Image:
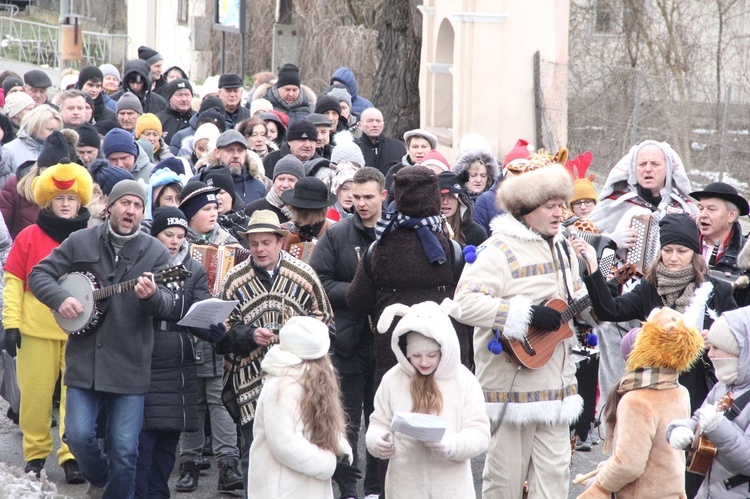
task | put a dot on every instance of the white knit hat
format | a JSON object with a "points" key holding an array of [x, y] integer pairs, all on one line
{"points": [[17, 102], [207, 131], [263, 105], [305, 337], [346, 149], [419, 343], [721, 337]]}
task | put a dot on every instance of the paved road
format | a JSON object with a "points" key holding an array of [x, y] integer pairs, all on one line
{"points": [[10, 453], [20, 68]]}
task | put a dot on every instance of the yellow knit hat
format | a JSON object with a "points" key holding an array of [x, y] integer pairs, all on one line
{"points": [[147, 121], [583, 188], [63, 178]]}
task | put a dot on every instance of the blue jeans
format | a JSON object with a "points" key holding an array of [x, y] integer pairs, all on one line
{"points": [[116, 471]]}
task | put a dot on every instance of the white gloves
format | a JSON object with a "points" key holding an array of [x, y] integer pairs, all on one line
{"points": [[444, 449], [623, 237], [708, 418], [681, 437], [384, 446]]}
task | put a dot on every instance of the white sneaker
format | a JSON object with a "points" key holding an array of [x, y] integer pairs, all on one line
{"points": [[372, 496]]}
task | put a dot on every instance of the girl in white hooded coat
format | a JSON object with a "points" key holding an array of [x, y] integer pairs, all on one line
{"points": [[429, 378]]}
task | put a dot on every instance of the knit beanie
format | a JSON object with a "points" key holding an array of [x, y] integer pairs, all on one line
{"points": [[55, 148], [175, 85], [342, 95], [147, 121], [88, 136], [301, 129], [260, 105], [110, 70], [119, 140], [288, 75], [211, 103], [195, 195], [167, 216], [721, 337], [434, 158], [172, 163], [419, 343], [63, 178], [344, 173], [628, 342], [17, 102], [87, 73], [107, 176], [215, 117], [289, 165], [219, 177], [69, 81], [129, 100], [327, 103], [346, 149], [149, 55], [305, 337], [679, 228], [583, 188], [417, 192], [207, 131], [127, 188], [10, 83]]}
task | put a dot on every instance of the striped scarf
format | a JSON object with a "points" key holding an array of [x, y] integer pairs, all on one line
{"points": [[425, 228]]}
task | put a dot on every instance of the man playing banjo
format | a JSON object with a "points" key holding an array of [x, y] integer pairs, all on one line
{"points": [[110, 368]]}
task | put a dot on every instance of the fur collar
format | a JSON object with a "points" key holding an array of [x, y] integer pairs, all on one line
{"points": [[698, 306], [507, 225]]}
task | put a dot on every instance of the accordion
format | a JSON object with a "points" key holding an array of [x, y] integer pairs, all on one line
{"points": [[217, 261], [645, 250]]}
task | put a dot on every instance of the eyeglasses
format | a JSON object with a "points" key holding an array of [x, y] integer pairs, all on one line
{"points": [[583, 202]]}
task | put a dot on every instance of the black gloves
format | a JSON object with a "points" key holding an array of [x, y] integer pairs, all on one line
{"points": [[545, 317], [216, 332], [346, 473], [12, 341]]}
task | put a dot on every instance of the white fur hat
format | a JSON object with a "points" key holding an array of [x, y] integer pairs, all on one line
{"points": [[522, 194], [305, 337]]}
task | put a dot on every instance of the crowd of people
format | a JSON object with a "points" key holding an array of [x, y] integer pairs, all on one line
{"points": [[373, 277]]}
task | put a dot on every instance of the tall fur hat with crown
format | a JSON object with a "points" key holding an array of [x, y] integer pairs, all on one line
{"points": [[543, 178]]}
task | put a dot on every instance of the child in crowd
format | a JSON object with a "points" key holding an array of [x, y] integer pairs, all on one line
{"points": [[640, 407], [299, 435], [428, 379], [727, 430]]}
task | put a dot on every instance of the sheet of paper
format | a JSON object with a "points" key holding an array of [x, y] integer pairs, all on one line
{"points": [[211, 311], [424, 427]]}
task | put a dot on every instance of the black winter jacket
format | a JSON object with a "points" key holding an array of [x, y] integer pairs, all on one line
{"points": [[335, 259], [172, 122], [382, 155]]}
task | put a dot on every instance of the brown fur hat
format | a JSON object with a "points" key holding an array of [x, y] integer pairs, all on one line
{"points": [[417, 192], [522, 194], [665, 343]]}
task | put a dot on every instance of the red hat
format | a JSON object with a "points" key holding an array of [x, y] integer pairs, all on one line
{"points": [[2, 98], [434, 158], [519, 151], [282, 116]]}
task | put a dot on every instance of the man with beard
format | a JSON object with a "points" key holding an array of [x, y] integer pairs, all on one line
{"points": [[245, 166], [110, 368]]}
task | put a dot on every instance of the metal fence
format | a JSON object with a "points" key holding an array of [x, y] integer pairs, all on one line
{"points": [[38, 43], [608, 110]]}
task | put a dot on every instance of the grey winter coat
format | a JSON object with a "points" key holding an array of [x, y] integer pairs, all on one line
{"points": [[117, 358], [732, 438]]}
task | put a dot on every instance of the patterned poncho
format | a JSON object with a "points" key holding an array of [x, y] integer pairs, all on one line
{"points": [[295, 290]]}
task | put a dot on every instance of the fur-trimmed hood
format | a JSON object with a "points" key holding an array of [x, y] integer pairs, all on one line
{"points": [[522, 194], [739, 323], [468, 157], [261, 90], [431, 320], [253, 163]]}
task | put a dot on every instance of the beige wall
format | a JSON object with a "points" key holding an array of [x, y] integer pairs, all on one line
{"points": [[477, 72], [175, 41]]}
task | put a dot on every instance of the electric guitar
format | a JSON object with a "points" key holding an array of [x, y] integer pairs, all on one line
{"points": [[538, 345]]}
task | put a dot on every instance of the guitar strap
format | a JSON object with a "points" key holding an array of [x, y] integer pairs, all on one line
{"points": [[562, 268]]}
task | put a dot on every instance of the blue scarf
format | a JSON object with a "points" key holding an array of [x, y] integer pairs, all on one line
{"points": [[425, 228]]}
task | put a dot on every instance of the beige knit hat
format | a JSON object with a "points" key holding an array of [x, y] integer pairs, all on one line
{"points": [[721, 337], [419, 343]]}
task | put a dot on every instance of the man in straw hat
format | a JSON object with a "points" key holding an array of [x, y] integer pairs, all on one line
{"points": [[524, 263], [112, 367], [271, 287]]}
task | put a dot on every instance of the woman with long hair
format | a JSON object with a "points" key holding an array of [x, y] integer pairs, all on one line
{"points": [[677, 279], [31, 332], [35, 127], [456, 210], [428, 379], [300, 431]]}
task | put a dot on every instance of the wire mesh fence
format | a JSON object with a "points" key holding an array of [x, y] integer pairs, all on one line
{"points": [[611, 108]]}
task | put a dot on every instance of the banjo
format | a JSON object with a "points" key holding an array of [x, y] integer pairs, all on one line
{"points": [[84, 287]]}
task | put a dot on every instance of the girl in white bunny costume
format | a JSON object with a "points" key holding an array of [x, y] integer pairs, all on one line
{"points": [[424, 338]]}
